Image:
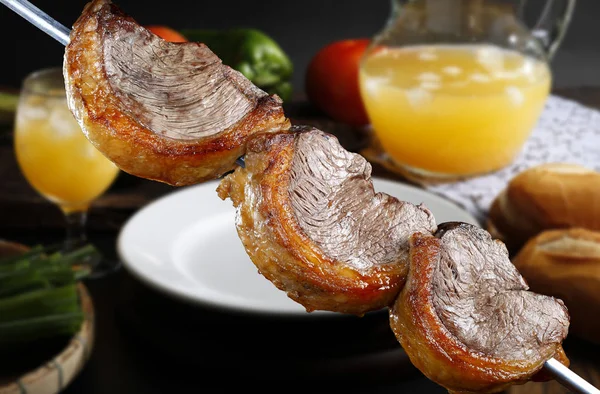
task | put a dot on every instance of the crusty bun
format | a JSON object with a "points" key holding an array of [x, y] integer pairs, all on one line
{"points": [[566, 264], [548, 196]]}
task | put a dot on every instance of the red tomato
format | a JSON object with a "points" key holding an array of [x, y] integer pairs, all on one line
{"points": [[332, 81], [166, 33]]}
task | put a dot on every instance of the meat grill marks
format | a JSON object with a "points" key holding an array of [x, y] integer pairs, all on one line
{"points": [[170, 112], [311, 222], [465, 317]]}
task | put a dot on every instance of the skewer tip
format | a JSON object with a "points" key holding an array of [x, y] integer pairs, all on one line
{"points": [[568, 378]]}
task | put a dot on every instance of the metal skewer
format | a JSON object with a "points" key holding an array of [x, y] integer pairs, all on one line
{"points": [[39, 19], [568, 378], [60, 33]]}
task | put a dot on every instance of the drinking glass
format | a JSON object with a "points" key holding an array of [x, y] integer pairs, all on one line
{"points": [[453, 88], [57, 159]]}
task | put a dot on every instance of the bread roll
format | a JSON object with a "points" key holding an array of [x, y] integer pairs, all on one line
{"points": [[566, 264], [548, 196]]}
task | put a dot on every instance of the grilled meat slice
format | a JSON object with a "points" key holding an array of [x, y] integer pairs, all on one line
{"points": [[311, 222], [170, 112], [465, 317]]}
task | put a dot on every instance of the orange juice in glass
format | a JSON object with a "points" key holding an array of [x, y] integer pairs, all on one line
{"points": [[55, 156], [455, 109]]}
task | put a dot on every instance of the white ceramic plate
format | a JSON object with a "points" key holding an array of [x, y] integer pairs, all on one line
{"points": [[186, 245]]}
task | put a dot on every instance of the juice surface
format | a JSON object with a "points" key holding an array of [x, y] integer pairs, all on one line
{"points": [[56, 157], [453, 109]]}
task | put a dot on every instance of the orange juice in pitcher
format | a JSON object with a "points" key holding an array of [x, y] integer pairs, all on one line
{"points": [[453, 109], [453, 88]]}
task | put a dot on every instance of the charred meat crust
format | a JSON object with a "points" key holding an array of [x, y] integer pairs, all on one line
{"points": [[447, 226], [111, 118], [436, 347], [282, 248]]}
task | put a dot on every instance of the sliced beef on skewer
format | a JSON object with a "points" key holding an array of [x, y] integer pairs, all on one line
{"points": [[311, 222], [465, 317], [170, 112]]}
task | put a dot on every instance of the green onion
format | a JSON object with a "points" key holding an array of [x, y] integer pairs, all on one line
{"points": [[38, 294], [39, 303], [29, 330]]}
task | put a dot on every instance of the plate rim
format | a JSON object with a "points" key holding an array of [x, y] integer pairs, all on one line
{"points": [[244, 310]]}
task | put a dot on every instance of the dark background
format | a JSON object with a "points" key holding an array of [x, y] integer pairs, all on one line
{"points": [[301, 28]]}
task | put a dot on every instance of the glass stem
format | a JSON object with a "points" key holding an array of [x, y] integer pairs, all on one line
{"points": [[76, 229]]}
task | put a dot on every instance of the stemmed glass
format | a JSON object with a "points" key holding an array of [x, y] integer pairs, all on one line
{"points": [[57, 159]]}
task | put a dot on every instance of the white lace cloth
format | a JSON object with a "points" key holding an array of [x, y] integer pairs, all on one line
{"points": [[566, 132]]}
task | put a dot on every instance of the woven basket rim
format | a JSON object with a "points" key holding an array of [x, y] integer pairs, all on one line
{"points": [[78, 350]]}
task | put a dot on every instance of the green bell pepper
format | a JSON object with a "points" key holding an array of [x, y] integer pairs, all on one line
{"points": [[251, 52]]}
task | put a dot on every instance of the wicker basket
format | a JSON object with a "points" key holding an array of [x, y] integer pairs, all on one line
{"points": [[55, 374]]}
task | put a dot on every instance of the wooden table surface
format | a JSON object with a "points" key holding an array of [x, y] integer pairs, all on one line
{"points": [[149, 343]]}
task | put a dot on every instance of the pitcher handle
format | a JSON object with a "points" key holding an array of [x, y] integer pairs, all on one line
{"points": [[547, 29]]}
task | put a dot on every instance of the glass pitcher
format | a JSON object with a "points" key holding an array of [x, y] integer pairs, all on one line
{"points": [[453, 88]]}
